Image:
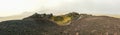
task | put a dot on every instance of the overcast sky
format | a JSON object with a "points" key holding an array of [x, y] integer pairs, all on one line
{"points": [[13, 7]]}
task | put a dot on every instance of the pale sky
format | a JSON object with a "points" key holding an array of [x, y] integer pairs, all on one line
{"points": [[14, 7]]}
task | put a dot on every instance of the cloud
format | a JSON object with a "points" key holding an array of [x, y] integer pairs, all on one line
{"points": [[82, 6], [89, 6]]}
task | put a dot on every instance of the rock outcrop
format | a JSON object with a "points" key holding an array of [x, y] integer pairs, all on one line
{"points": [[81, 24]]}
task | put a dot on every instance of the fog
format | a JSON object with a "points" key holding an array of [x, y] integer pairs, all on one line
{"points": [[102, 7]]}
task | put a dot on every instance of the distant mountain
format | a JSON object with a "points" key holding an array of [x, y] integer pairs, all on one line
{"points": [[16, 17], [48, 24]]}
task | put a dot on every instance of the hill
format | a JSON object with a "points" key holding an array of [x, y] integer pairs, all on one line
{"points": [[48, 24]]}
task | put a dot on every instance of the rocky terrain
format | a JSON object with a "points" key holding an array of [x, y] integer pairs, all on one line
{"points": [[48, 24]]}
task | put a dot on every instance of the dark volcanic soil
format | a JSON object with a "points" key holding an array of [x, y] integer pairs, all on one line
{"points": [[94, 25]]}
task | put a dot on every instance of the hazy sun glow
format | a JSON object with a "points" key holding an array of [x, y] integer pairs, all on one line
{"points": [[12, 7], [52, 3], [55, 3]]}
